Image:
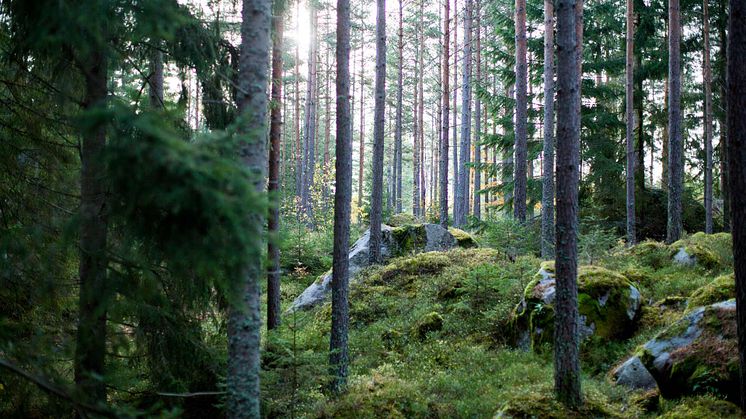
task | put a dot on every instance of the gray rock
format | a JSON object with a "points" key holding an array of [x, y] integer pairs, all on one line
{"points": [[633, 374], [437, 238], [683, 258]]}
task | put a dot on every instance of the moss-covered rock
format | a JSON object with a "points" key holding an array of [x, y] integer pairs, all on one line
{"points": [[721, 289], [400, 219], [608, 303], [712, 251], [463, 239], [697, 354], [650, 253], [542, 404], [703, 407]]}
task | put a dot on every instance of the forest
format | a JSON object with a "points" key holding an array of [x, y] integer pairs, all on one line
{"points": [[373, 209]]}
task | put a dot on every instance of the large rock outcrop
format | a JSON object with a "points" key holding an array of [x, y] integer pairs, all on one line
{"points": [[608, 303], [711, 251], [396, 241], [698, 354]]}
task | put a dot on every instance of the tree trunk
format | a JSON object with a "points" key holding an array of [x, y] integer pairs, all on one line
{"points": [[338, 353], [707, 81], [629, 90], [398, 128], [155, 78], [639, 96], [737, 153], [421, 111], [455, 113], [273, 185], [566, 340], [521, 152], [415, 140], [478, 120], [309, 155], [90, 349], [724, 160], [296, 120], [664, 148], [376, 199], [361, 153], [462, 194], [444, 119], [244, 321], [547, 190], [676, 159]]}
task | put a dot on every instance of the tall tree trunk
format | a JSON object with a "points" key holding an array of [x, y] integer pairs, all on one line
{"points": [[415, 140], [155, 78], [676, 158], [736, 79], [639, 96], [444, 118], [547, 190], [421, 110], [361, 153], [327, 125], [566, 340], [664, 148], [94, 294], [507, 163], [455, 113], [273, 185], [376, 199], [629, 90], [338, 352], [398, 128], [296, 119], [462, 194], [724, 158], [478, 121], [707, 81], [309, 155], [521, 151], [244, 321]]}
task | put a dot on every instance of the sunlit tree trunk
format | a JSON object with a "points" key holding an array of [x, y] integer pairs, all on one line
{"points": [[477, 204], [361, 152], [398, 128], [244, 320], [155, 78], [462, 194]]}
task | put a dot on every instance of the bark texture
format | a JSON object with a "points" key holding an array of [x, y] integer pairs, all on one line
{"points": [[477, 198], [376, 200], [737, 152], [462, 193], [521, 108], [675, 152], [707, 81], [566, 340], [398, 127], [273, 185], [547, 190], [630, 112], [90, 348], [444, 118], [244, 321], [338, 352]]}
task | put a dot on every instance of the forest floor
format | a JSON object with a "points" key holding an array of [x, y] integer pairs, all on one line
{"points": [[434, 335]]}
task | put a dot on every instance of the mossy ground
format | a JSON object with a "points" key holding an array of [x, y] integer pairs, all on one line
{"points": [[461, 363]]}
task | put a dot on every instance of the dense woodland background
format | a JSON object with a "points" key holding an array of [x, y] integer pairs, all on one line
{"points": [[159, 159]]}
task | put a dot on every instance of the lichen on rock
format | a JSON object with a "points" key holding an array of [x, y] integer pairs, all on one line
{"points": [[608, 304]]}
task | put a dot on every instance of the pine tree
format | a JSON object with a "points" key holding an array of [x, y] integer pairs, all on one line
{"points": [[338, 353], [629, 89], [566, 340], [521, 145], [462, 194], [547, 196], [675, 156], [376, 200], [244, 322], [398, 127], [445, 114], [707, 81]]}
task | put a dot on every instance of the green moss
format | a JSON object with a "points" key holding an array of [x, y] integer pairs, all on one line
{"points": [[431, 322], [463, 239], [701, 407], [400, 219], [408, 238], [712, 251], [541, 403], [651, 253], [721, 289]]}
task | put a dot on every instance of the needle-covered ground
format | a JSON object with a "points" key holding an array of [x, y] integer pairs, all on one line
{"points": [[436, 335]]}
